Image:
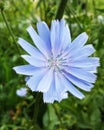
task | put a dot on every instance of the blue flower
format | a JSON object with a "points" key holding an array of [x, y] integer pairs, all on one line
{"points": [[22, 92], [57, 66]]}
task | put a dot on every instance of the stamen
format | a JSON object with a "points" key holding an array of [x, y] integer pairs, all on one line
{"points": [[57, 63]]}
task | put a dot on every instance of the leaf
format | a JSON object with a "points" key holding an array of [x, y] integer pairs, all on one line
{"points": [[50, 119]]}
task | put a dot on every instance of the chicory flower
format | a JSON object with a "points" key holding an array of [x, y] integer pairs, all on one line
{"points": [[58, 65]]}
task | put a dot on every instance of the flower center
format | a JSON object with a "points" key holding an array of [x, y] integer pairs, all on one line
{"points": [[57, 63], [54, 63]]}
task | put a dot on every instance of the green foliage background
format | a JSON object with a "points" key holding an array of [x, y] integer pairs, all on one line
{"points": [[71, 114]]}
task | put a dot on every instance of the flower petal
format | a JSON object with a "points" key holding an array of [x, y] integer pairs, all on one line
{"points": [[65, 36], [52, 94], [46, 81], [78, 82], [85, 62], [71, 88], [58, 84], [49, 96], [81, 74], [25, 69], [83, 52], [75, 45], [60, 36], [30, 49], [78, 42], [44, 33], [54, 35], [35, 62], [33, 81], [41, 45], [64, 95], [91, 69]]}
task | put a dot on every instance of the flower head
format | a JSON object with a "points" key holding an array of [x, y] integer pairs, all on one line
{"points": [[21, 92], [57, 65]]}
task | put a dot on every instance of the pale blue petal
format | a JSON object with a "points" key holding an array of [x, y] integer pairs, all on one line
{"points": [[54, 35], [64, 95], [58, 84], [75, 46], [84, 62], [34, 61], [30, 49], [91, 69], [27, 78], [59, 90], [44, 33], [49, 96], [33, 81], [25, 69], [60, 36], [71, 88], [83, 52], [78, 42], [46, 81], [65, 36], [78, 82], [41, 45], [81, 74], [53, 95]]}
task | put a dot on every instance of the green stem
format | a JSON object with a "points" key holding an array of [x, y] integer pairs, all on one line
{"points": [[94, 8], [57, 114], [9, 28], [36, 107], [61, 9]]}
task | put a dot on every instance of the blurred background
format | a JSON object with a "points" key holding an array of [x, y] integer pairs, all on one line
{"points": [[16, 113]]}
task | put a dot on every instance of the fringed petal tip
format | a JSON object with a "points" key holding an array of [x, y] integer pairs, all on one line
{"points": [[14, 68], [29, 28]]}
